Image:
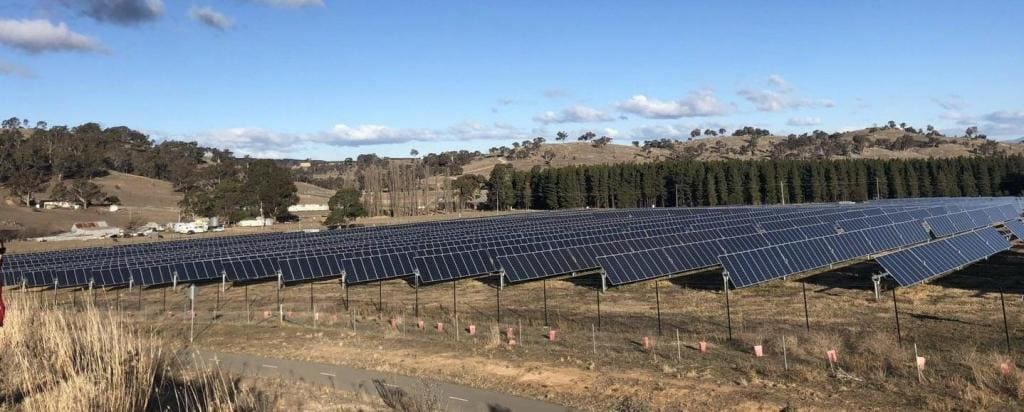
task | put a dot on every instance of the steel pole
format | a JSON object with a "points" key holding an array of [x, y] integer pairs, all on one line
{"points": [[1006, 324], [807, 316], [896, 310], [657, 298], [546, 303]]}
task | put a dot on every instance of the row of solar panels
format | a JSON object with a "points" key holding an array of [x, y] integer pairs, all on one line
{"points": [[179, 250], [180, 257], [368, 268], [162, 264], [920, 263], [199, 248]]}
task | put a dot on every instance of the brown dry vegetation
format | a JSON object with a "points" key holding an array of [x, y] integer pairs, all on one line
{"points": [[79, 358], [955, 323]]}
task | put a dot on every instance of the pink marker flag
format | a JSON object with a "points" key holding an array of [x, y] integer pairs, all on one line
{"points": [[833, 357], [703, 347], [920, 363], [1005, 368], [758, 351]]}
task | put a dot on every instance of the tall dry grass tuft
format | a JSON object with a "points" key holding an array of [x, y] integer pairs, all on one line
{"points": [[55, 360]]}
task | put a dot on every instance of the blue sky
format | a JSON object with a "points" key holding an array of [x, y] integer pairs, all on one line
{"points": [[330, 79]]}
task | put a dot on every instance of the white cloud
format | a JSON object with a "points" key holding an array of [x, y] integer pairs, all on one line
{"points": [[997, 124], [803, 121], [556, 93], [780, 96], [1003, 123], [952, 103], [292, 3], [671, 131], [262, 141], [778, 82], [37, 36], [8, 69], [211, 18], [573, 114], [698, 104], [124, 12]]}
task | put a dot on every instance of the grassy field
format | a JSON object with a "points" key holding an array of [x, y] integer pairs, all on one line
{"points": [[80, 357], [955, 323]]}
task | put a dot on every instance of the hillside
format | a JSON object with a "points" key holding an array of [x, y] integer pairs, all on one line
{"points": [[142, 200], [568, 154], [876, 144]]}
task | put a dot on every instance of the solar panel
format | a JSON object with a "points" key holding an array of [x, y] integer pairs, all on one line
{"points": [[923, 262], [563, 241], [755, 266], [1016, 227], [453, 266]]}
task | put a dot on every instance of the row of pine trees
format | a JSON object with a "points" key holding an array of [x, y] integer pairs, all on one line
{"points": [[751, 182]]}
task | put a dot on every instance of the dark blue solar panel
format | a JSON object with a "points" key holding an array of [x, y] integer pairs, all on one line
{"points": [[923, 262], [1016, 227], [755, 266]]}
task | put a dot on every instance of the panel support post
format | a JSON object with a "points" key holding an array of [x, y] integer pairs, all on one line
{"points": [[599, 306], [877, 281], [380, 296], [807, 314], [546, 303], [163, 305], [248, 311], [140, 299], [455, 302], [311, 297], [501, 284], [728, 308], [344, 286], [1006, 325], [896, 310], [279, 289], [416, 292], [604, 282], [657, 299]]}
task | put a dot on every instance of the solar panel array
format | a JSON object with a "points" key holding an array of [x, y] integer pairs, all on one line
{"points": [[753, 244], [920, 263]]}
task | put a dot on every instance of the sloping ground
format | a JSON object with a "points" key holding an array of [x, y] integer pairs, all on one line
{"points": [[569, 154], [730, 147], [734, 147], [310, 194], [143, 200], [139, 192]]}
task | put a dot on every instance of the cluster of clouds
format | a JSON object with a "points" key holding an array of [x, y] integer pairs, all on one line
{"points": [[1001, 123], [778, 96], [41, 35], [257, 141]]}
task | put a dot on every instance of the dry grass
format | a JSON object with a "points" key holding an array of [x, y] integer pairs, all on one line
{"points": [[90, 360]]}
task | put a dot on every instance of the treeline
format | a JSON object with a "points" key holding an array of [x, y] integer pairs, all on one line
{"points": [[62, 161], [752, 182], [31, 158]]}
